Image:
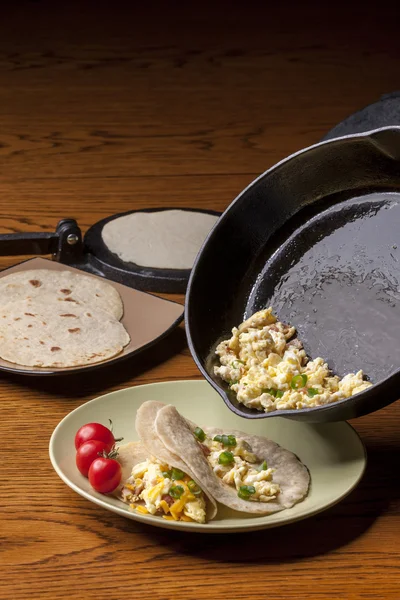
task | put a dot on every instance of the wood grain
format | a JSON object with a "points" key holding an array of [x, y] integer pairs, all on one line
{"points": [[105, 109]]}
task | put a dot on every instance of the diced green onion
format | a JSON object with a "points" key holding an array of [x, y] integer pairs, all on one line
{"points": [[298, 381], [236, 364], [167, 474], [233, 383], [245, 491], [225, 440], [199, 434], [176, 491], [312, 392], [177, 474], [270, 391], [263, 466], [225, 458], [194, 488]]}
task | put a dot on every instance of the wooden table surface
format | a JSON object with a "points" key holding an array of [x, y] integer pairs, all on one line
{"points": [[104, 110]]}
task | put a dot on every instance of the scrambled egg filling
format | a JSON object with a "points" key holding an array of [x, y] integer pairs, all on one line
{"points": [[269, 372], [157, 489], [241, 468]]}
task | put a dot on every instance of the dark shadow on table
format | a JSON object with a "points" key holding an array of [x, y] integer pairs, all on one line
{"points": [[82, 384], [323, 533]]}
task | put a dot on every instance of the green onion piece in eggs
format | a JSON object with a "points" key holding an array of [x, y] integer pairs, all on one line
{"points": [[263, 466], [312, 392], [194, 488], [245, 491], [225, 458], [270, 391], [177, 474], [298, 381], [176, 491], [199, 434], [225, 440]]}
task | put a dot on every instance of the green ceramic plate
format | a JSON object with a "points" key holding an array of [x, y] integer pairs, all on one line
{"points": [[333, 452]]}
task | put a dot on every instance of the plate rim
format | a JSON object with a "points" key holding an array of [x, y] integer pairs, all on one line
{"points": [[195, 527], [49, 372]]}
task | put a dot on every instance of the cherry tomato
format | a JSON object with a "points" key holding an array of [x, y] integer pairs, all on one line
{"points": [[94, 431], [105, 475], [87, 453]]}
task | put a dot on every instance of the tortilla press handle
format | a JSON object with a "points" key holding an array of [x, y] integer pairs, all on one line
{"points": [[65, 244]]}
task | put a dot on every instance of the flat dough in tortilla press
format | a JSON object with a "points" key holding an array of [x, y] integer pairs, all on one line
{"points": [[167, 239]]}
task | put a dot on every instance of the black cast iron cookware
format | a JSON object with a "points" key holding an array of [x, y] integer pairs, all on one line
{"points": [[317, 237]]}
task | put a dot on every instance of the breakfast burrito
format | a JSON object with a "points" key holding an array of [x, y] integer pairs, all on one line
{"points": [[247, 473], [157, 482]]}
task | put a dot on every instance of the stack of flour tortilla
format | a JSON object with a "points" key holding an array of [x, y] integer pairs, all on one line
{"points": [[60, 319]]}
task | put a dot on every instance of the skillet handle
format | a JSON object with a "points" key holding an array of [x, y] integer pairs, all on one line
{"points": [[383, 113]]}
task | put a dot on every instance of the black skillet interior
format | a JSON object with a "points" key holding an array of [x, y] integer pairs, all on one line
{"points": [[318, 238]]}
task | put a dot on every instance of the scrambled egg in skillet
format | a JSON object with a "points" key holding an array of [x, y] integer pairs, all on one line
{"points": [[233, 461], [165, 491], [269, 372]]}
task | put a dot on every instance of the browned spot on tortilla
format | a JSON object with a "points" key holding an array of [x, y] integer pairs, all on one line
{"points": [[35, 282], [68, 315], [16, 318], [40, 342], [29, 315], [30, 325], [44, 322], [55, 348], [65, 291], [88, 314], [74, 330], [97, 295], [71, 300], [25, 338]]}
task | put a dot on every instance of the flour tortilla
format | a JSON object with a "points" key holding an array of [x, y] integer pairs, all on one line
{"points": [[145, 428], [63, 285], [132, 453], [129, 455], [58, 334], [292, 476], [168, 239]]}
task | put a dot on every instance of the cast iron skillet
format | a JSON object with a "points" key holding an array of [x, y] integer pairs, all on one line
{"points": [[317, 237]]}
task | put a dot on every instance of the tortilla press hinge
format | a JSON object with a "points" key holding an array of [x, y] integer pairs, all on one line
{"points": [[69, 242], [65, 244]]}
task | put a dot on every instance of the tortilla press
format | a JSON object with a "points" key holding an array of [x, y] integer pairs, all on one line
{"points": [[89, 253], [317, 237]]}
